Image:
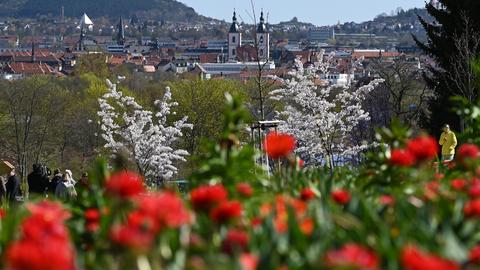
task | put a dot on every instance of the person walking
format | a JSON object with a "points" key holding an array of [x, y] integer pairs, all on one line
{"points": [[56, 179], [448, 141], [84, 183], [66, 188], [14, 193], [37, 181]]}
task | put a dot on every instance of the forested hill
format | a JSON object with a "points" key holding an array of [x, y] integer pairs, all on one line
{"points": [[169, 10]]}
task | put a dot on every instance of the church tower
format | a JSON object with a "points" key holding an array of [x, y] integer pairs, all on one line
{"points": [[121, 32], [263, 40], [234, 39]]}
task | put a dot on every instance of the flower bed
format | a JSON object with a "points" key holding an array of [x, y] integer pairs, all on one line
{"points": [[395, 212]]}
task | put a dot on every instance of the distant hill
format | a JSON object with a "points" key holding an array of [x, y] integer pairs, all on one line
{"points": [[169, 10], [403, 21]]}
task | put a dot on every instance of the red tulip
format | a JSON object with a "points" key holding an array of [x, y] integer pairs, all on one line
{"points": [[206, 197], [125, 185], [402, 158], [278, 145], [423, 148], [352, 256], [341, 196], [414, 259]]}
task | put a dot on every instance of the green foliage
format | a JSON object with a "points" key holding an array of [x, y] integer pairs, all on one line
{"points": [[202, 101], [469, 112], [93, 64], [451, 23], [227, 161]]}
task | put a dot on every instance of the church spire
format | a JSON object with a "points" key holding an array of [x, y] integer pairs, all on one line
{"points": [[262, 27], [234, 28], [33, 51], [121, 32]]}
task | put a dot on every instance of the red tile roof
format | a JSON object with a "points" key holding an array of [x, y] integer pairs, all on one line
{"points": [[374, 54], [29, 68]]}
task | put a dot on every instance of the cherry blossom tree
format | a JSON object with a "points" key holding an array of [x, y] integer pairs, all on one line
{"points": [[145, 135], [322, 118]]}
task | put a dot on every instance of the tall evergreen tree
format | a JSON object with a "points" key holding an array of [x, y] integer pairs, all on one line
{"points": [[452, 37]]}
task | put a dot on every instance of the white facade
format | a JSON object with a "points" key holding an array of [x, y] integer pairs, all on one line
{"points": [[263, 40], [234, 39], [235, 68], [338, 79]]}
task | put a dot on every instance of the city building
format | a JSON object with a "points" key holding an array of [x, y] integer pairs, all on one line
{"points": [[321, 34], [223, 69], [234, 39], [263, 40]]}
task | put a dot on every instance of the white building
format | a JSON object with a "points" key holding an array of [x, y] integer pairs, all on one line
{"points": [[235, 68], [234, 39], [321, 34], [338, 79], [263, 39]]}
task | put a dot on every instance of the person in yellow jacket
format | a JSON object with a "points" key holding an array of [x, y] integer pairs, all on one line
{"points": [[448, 141]]}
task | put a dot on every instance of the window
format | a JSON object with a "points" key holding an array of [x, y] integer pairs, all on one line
{"points": [[233, 39], [261, 39], [233, 52], [261, 52]]}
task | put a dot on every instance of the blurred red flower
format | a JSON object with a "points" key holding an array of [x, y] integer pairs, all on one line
{"points": [[248, 261], [166, 209], [244, 190], [387, 200], [226, 211], [352, 256], [3, 213], [31, 255], [136, 238], [474, 191], [341, 196], [307, 194], [458, 184], [44, 242], [306, 226], [472, 208], [300, 163], [278, 145], [432, 189], [474, 256], [467, 152], [414, 259], [402, 158], [206, 197], [124, 185], [280, 209], [92, 219], [92, 215], [235, 241], [423, 148]]}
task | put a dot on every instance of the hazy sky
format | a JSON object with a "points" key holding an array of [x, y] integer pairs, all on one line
{"points": [[320, 12]]}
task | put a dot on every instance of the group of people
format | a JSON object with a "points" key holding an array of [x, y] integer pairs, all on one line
{"points": [[60, 184], [41, 183]]}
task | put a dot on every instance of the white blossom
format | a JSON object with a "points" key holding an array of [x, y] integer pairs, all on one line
{"points": [[145, 135], [322, 118]]}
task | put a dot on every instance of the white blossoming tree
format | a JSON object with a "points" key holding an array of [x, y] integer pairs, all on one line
{"points": [[322, 118], [146, 136]]}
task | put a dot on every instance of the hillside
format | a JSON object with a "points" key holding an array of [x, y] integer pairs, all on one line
{"points": [[169, 10]]}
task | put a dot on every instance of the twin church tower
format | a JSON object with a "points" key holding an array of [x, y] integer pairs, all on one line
{"points": [[262, 40]]}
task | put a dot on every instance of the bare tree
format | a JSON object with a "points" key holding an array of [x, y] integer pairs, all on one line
{"points": [[263, 83], [32, 108], [407, 92], [462, 80]]}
